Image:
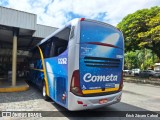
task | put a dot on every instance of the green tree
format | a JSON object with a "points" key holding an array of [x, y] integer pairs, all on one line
{"points": [[142, 30], [131, 60], [151, 38], [142, 59]]}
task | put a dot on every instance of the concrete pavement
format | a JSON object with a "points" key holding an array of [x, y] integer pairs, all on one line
{"points": [[142, 95], [136, 97]]}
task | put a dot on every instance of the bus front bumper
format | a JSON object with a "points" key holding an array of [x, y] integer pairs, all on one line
{"points": [[82, 103]]}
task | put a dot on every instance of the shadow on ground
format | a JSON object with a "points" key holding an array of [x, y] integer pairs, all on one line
{"points": [[118, 110]]}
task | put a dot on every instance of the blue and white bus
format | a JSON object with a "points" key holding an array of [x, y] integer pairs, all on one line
{"points": [[80, 65]]}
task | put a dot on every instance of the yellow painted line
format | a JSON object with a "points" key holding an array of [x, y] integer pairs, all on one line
{"points": [[99, 90], [15, 89], [44, 70], [38, 69]]}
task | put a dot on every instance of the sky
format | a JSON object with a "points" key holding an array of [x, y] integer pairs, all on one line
{"points": [[56, 13]]}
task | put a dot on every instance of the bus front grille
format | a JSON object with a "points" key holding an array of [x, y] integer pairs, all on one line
{"points": [[101, 62]]}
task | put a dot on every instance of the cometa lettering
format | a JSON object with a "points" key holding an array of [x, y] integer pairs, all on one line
{"points": [[102, 78]]}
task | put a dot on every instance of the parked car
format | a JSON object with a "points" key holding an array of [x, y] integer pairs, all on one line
{"points": [[127, 72], [149, 73], [136, 71]]}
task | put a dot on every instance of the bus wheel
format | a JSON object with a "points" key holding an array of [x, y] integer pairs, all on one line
{"points": [[44, 93]]}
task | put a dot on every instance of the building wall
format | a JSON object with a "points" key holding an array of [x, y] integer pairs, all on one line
{"points": [[19, 19], [43, 31], [26, 22]]}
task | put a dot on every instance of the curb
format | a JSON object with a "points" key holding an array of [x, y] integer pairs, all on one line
{"points": [[143, 82], [15, 89]]}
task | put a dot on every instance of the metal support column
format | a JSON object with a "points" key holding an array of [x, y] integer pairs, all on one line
{"points": [[14, 57]]}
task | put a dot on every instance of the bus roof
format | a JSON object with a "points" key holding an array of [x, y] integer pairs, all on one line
{"points": [[69, 23]]}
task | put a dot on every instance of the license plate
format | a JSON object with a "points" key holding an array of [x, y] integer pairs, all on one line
{"points": [[102, 101]]}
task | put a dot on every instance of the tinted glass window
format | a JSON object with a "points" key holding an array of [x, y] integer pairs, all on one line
{"points": [[100, 32], [46, 49], [36, 54]]}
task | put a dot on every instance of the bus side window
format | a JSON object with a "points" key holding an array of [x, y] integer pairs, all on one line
{"points": [[61, 50], [60, 42], [36, 54], [52, 51], [46, 49]]}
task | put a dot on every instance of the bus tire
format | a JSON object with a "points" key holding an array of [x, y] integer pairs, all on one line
{"points": [[44, 93]]}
